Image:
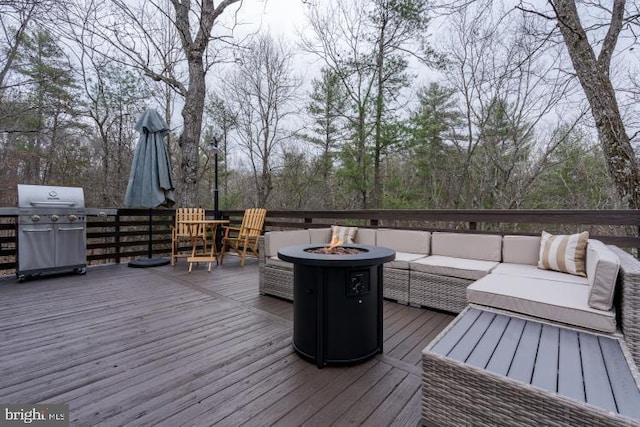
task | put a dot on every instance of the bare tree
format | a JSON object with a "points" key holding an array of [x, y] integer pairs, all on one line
{"points": [[594, 73], [15, 17], [510, 93], [341, 39], [115, 97], [129, 33], [400, 31], [592, 32], [261, 92]]}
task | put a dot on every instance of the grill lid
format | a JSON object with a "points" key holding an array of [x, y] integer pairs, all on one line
{"points": [[47, 196]]}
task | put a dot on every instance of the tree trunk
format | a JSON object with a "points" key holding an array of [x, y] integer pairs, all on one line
{"points": [[192, 122], [194, 48], [376, 193], [361, 161], [593, 74]]}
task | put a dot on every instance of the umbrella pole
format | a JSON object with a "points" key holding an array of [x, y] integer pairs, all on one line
{"points": [[149, 261], [150, 253]]}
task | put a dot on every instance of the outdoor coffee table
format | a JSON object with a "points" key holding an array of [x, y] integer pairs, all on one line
{"points": [[493, 368]]}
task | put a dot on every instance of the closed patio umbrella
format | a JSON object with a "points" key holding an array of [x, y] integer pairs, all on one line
{"points": [[150, 182]]}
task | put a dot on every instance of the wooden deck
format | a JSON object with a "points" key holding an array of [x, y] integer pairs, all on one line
{"points": [[159, 346]]}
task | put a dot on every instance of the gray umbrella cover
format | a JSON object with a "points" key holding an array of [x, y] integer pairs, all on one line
{"points": [[150, 182]]}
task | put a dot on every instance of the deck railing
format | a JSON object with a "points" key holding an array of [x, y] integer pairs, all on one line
{"points": [[117, 235]]}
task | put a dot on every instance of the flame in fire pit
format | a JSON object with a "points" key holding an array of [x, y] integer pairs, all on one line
{"points": [[333, 245]]}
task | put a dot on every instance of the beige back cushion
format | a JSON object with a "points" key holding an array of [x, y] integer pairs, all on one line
{"points": [[365, 236], [521, 249], [320, 235], [410, 241], [274, 240], [602, 271], [487, 247], [563, 252]]}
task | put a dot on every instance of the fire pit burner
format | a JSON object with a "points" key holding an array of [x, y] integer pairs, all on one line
{"points": [[337, 302], [338, 250]]}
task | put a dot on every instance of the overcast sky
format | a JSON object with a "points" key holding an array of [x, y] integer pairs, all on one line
{"points": [[281, 17], [285, 19]]}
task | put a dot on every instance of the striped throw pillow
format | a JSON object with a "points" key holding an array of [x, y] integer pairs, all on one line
{"points": [[344, 234], [564, 253]]}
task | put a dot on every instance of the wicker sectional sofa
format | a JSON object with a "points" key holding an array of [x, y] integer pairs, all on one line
{"points": [[447, 271], [276, 276]]}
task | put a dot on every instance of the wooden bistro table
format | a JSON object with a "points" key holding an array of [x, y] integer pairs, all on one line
{"points": [[205, 256]]}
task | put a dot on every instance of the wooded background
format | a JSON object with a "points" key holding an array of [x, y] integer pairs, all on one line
{"points": [[401, 103]]}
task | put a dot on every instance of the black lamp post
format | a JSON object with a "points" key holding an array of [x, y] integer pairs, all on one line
{"points": [[212, 147]]}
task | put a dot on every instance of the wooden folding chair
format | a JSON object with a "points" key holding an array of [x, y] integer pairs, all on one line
{"points": [[182, 232], [245, 238]]}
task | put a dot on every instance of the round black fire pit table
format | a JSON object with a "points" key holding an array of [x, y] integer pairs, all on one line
{"points": [[337, 302]]}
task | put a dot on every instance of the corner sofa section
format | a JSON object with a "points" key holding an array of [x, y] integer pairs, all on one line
{"points": [[410, 246], [457, 260], [518, 285]]}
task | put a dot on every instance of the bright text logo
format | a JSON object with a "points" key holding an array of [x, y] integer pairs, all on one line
{"points": [[41, 415]]}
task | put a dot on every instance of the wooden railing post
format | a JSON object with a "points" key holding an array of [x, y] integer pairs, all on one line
{"points": [[116, 239], [473, 225]]}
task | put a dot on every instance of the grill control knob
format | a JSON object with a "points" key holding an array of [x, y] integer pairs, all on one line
{"points": [[34, 218], [72, 218], [54, 218]]}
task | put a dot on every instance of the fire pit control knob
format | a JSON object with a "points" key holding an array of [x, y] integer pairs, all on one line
{"points": [[54, 218], [358, 285], [72, 218], [34, 218]]}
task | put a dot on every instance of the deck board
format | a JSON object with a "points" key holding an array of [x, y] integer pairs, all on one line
{"points": [[160, 346]]}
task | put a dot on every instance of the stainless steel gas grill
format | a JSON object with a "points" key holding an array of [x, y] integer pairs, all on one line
{"points": [[51, 230]]}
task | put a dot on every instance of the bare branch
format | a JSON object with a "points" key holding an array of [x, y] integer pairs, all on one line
{"points": [[611, 39], [537, 13]]}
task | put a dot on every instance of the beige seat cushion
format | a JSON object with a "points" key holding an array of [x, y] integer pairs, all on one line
{"points": [[532, 271], [402, 260], [274, 240], [521, 249], [486, 247], [462, 268], [408, 241], [556, 301], [274, 261], [602, 270]]}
